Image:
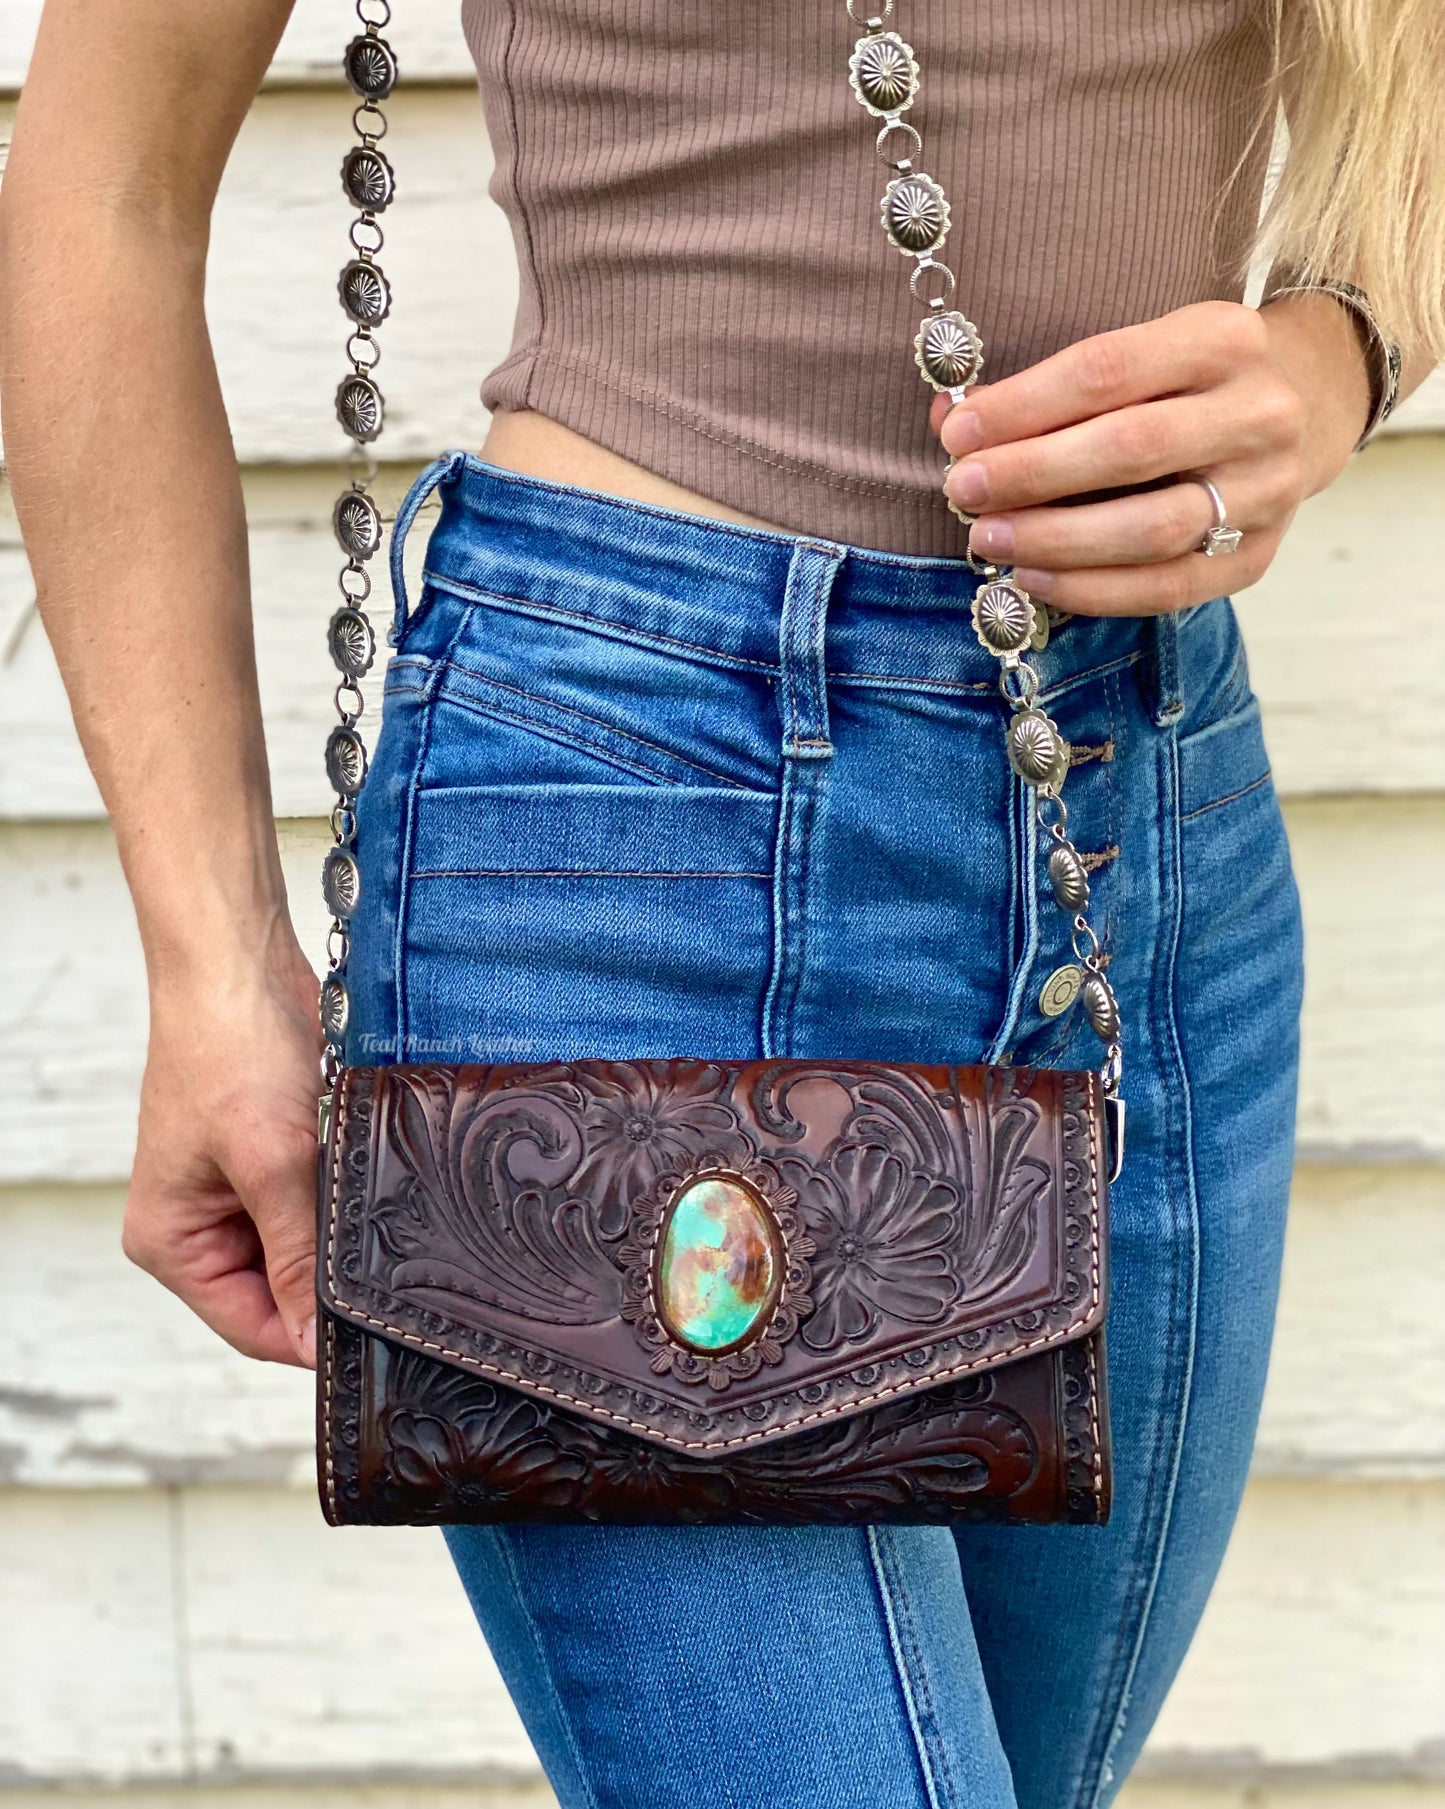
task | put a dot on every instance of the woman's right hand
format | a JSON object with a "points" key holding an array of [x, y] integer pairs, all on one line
{"points": [[222, 1204]]}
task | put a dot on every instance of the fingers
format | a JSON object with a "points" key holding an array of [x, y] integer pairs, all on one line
{"points": [[1131, 446], [1131, 530], [216, 1266], [1191, 349], [238, 1243], [1150, 590], [282, 1202]]}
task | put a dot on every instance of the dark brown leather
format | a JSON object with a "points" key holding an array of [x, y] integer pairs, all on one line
{"points": [[491, 1348]]}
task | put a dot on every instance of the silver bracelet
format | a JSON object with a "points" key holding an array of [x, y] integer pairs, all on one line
{"points": [[1383, 354]]}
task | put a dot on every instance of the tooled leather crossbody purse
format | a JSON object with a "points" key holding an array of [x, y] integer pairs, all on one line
{"points": [[710, 1291]]}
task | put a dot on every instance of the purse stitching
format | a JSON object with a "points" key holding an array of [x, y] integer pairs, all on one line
{"points": [[1098, 1464], [330, 1439], [478, 1367]]}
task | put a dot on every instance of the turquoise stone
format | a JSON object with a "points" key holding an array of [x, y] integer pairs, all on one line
{"points": [[719, 1264]]}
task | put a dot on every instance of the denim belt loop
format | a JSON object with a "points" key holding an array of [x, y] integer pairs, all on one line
{"points": [[803, 677], [1168, 698], [437, 472]]}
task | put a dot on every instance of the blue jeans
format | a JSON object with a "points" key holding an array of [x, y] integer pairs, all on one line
{"points": [[649, 784]]}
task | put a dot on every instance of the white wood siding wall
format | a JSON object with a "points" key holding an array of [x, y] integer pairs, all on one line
{"points": [[175, 1622]]}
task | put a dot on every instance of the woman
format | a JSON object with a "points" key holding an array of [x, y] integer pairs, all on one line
{"points": [[711, 381]]}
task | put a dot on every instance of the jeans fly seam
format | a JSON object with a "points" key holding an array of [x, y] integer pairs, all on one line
{"points": [[1050, 693], [1024, 887], [1112, 831], [808, 806], [803, 709], [502, 1535], [908, 1667], [403, 901], [1162, 1470], [600, 625]]}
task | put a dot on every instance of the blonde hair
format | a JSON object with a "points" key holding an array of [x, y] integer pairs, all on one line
{"points": [[1361, 85]]}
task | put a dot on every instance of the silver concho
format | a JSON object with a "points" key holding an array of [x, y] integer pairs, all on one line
{"points": [[1037, 751], [1101, 1008], [352, 643], [1069, 879], [356, 522], [370, 67], [335, 1009], [1060, 990], [341, 882], [883, 73], [948, 350], [367, 178], [345, 762], [1003, 617], [915, 214], [364, 291], [359, 407]]}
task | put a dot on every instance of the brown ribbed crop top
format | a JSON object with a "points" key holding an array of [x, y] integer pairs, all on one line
{"points": [[705, 287]]}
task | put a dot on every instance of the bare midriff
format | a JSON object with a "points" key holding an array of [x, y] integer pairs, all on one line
{"points": [[534, 445]]}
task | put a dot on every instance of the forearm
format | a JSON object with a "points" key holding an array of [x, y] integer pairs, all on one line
{"points": [[128, 495], [129, 499]]}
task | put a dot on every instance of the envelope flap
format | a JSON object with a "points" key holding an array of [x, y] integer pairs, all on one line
{"points": [[713, 1254]]}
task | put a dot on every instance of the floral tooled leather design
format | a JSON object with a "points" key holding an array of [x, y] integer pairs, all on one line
{"points": [[960, 1452], [940, 1229]]}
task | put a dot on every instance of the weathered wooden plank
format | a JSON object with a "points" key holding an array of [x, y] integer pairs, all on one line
{"points": [[1332, 728], [279, 240], [281, 1684], [1371, 543], [1362, 1319], [72, 996], [1321, 1652], [425, 33], [234, 1633], [1327, 1590], [1245, 1786], [1371, 877], [109, 1382], [73, 1008], [90, 1687]]}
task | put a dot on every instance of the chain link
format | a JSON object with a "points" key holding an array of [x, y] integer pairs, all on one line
{"points": [[883, 73], [367, 181]]}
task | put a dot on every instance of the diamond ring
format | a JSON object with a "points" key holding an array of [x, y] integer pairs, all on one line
{"points": [[1221, 538]]}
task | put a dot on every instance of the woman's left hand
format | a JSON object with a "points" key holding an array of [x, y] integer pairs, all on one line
{"points": [[1266, 403]]}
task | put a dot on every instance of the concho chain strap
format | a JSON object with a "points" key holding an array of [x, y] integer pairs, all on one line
{"points": [[369, 184], [884, 75]]}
